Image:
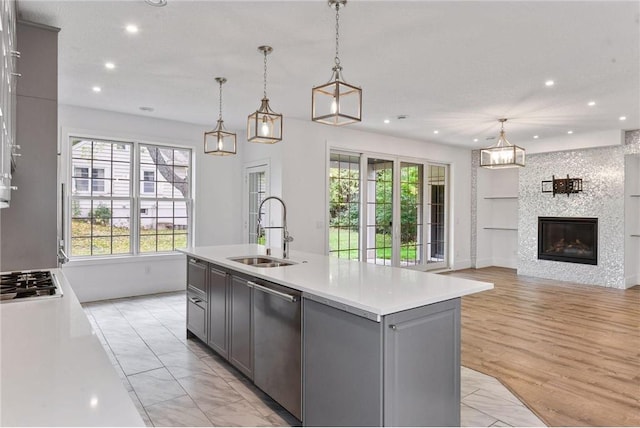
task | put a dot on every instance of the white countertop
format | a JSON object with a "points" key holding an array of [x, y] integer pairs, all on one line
{"points": [[379, 290], [53, 369]]}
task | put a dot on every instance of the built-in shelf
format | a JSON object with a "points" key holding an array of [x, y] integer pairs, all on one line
{"points": [[502, 197], [500, 228]]}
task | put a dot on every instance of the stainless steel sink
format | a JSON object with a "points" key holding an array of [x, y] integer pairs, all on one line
{"points": [[261, 261]]}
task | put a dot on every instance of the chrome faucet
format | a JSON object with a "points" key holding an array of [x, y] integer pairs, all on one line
{"points": [[286, 238]]}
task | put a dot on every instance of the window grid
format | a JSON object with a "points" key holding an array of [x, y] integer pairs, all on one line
{"points": [[411, 213], [344, 206], [436, 222], [380, 211], [101, 212]]}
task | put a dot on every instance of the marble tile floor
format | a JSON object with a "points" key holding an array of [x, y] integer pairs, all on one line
{"points": [[178, 382]]}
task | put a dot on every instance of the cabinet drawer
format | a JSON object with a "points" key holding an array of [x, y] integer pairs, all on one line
{"points": [[197, 274], [196, 316]]}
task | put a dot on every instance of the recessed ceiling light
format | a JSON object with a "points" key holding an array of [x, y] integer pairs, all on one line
{"points": [[387, 121], [475, 140], [147, 109], [436, 132], [109, 65], [132, 28], [535, 137], [549, 83], [569, 132], [591, 103], [623, 117], [96, 89], [156, 3]]}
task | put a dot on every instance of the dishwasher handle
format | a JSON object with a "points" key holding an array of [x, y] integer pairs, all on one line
{"points": [[289, 297]]}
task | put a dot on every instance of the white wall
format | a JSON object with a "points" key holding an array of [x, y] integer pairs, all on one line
{"points": [[304, 180], [217, 202]]}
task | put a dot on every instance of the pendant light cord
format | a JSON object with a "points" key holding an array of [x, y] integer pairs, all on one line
{"points": [[337, 58], [220, 106], [265, 74]]}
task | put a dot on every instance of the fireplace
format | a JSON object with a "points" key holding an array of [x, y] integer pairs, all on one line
{"points": [[568, 239]]}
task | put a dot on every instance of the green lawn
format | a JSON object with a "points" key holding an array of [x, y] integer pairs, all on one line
{"points": [[341, 238], [105, 241]]}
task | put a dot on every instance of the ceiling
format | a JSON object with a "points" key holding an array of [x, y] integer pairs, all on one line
{"points": [[451, 66]]}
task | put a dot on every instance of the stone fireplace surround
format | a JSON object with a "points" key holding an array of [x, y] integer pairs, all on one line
{"points": [[603, 173]]}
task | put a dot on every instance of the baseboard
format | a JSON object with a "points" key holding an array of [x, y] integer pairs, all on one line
{"points": [[506, 263], [461, 264], [483, 263], [631, 280]]}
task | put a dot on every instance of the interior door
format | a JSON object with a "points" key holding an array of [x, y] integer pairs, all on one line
{"points": [[378, 234]]}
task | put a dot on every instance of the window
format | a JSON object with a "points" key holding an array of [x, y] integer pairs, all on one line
{"points": [[103, 198], [387, 211], [256, 180], [344, 206], [148, 178]]}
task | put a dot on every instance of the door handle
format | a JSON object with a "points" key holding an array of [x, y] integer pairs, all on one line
{"points": [[285, 296]]}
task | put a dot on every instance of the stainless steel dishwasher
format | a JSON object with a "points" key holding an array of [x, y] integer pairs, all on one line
{"points": [[277, 344]]}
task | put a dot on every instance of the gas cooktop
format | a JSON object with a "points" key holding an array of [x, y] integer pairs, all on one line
{"points": [[28, 285]]}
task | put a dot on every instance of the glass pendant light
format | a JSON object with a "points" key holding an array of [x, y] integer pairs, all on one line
{"points": [[265, 125], [337, 102], [219, 141], [503, 154]]}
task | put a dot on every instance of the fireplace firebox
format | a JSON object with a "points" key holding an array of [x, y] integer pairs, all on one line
{"points": [[568, 239]]}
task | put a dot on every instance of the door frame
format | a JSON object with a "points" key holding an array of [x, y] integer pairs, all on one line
{"points": [[263, 165]]}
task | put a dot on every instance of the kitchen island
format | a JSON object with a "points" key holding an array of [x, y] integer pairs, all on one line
{"points": [[358, 344], [53, 369]]}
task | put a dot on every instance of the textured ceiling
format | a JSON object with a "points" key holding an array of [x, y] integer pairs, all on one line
{"points": [[451, 66]]}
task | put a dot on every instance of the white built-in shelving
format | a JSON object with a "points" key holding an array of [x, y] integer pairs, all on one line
{"points": [[632, 219], [497, 218]]}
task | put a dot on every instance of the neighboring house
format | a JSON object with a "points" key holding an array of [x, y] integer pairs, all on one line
{"points": [[111, 177]]}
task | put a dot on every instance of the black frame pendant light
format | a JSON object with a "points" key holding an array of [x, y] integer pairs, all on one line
{"points": [[502, 154], [219, 141], [264, 125], [336, 102]]}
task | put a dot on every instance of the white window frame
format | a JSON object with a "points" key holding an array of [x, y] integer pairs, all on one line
{"points": [[251, 167], [66, 165], [397, 161]]}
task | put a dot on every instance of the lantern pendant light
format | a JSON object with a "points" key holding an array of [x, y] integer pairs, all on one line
{"points": [[265, 125], [219, 141], [503, 154], [337, 102]]}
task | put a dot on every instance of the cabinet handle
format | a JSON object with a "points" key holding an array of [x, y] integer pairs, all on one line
{"points": [[193, 261], [15, 54], [195, 300], [393, 327], [16, 74], [273, 292]]}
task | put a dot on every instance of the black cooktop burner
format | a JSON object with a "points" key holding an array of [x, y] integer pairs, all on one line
{"points": [[15, 285]]}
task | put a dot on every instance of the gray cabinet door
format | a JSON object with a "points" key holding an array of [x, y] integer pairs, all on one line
{"points": [[422, 366], [197, 274], [218, 311], [196, 316], [241, 346]]}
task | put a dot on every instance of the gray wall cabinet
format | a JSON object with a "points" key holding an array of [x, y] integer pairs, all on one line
{"points": [[29, 225], [219, 311], [241, 346]]}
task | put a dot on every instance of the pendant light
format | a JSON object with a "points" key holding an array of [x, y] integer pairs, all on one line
{"points": [[265, 125], [503, 154], [219, 141], [337, 102]]}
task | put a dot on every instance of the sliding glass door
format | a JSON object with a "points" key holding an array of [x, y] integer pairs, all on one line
{"points": [[388, 211]]}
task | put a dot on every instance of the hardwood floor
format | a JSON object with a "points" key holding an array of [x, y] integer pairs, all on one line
{"points": [[571, 352]]}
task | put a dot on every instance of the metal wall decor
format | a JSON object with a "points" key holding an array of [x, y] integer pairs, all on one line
{"points": [[336, 102], [562, 185], [264, 125], [503, 154], [219, 141]]}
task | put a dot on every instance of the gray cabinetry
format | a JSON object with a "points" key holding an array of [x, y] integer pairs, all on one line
{"points": [[197, 298], [403, 371], [218, 311], [422, 366], [241, 334]]}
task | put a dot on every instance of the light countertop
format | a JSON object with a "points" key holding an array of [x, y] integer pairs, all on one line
{"points": [[378, 290], [53, 369]]}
